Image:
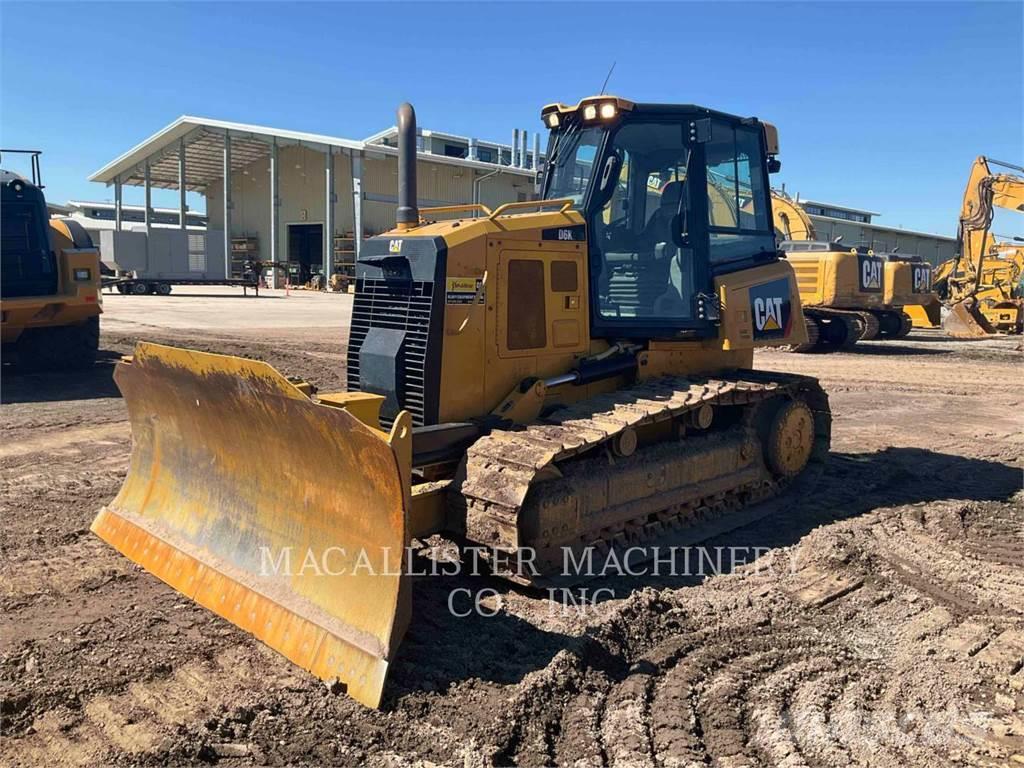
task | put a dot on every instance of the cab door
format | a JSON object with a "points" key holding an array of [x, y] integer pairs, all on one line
{"points": [[646, 277]]}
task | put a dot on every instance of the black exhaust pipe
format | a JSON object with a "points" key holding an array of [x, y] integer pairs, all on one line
{"points": [[408, 212]]}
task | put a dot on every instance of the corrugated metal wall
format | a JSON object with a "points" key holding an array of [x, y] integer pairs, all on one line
{"points": [[934, 250]]}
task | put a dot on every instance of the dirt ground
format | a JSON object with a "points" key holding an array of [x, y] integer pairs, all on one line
{"points": [[882, 625]]}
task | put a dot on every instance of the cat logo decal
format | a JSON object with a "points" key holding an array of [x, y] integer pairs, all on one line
{"points": [[771, 309]]}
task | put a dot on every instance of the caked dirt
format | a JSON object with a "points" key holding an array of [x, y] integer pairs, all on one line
{"points": [[882, 623]]}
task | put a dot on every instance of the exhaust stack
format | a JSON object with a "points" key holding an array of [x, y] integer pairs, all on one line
{"points": [[408, 215]]}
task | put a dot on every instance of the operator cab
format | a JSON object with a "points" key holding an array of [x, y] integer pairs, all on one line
{"points": [[29, 264], [672, 195]]}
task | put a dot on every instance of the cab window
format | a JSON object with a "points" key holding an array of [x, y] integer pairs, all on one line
{"points": [[571, 162], [639, 193], [738, 216]]}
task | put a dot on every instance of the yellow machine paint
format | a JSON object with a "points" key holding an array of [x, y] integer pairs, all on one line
{"points": [[925, 315], [849, 293], [264, 550], [50, 280], [77, 299], [791, 220], [983, 284], [908, 286], [841, 290], [486, 328]]}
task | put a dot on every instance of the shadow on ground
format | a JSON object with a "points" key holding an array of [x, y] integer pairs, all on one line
{"points": [[97, 381], [890, 348], [441, 648]]}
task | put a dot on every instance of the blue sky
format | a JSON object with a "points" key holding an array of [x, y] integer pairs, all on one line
{"points": [[879, 105]]}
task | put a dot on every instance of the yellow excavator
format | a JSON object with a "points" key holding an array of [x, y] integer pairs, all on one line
{"points": [[546, 380], [838, 284], [908, 295], [842, 285], [49, 279], [983, 284]]}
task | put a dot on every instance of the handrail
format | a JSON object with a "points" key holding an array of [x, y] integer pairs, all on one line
{"points": [[565, 202], [480, 207]]}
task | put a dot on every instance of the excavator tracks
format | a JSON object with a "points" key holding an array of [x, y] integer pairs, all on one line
{"points": [[872, 327], [894, 323], [813, 336], [864, 324], [837, 328], [579, 478]]}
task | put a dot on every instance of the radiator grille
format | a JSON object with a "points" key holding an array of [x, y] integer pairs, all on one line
{"points": [[399, 305]]}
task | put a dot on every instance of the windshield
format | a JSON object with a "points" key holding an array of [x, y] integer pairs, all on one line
{"points": [[571, 154]]}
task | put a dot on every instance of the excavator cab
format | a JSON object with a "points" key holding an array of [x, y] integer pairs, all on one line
{"points": [[670, 195]]}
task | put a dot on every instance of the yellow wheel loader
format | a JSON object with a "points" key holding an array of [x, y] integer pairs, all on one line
{"points": [[983, 284], [49, 280], [848, 293], [547, 381]]}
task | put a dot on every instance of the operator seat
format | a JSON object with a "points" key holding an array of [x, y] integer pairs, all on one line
{"points": [[675, 300], [658, 227]]}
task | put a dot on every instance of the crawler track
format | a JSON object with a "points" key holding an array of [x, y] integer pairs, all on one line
{"points": [[503, 468]]}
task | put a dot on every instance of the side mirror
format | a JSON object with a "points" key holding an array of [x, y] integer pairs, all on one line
{"points": [[774, 165]]}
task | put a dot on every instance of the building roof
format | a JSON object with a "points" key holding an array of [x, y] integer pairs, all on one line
{"points": [[204, 159], [392, 133], [56, 209], [838, 207], [81, 205]]}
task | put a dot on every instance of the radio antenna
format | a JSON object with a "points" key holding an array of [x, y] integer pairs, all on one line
{"points": [[607, 78]]}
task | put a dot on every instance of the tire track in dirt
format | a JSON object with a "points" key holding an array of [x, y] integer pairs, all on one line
{"points": [[776, 682], [142, 719], [883, 628]]}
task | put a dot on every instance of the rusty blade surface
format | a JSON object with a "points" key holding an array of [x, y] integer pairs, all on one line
{"points": [[286, 517]]}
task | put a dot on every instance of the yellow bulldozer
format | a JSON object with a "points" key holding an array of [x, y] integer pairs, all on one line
{"points": [[49, 279], [848, 293], [547, 379], [984, 285]]}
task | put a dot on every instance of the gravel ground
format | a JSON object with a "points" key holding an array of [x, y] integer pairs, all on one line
{"points": [[882, 625]]}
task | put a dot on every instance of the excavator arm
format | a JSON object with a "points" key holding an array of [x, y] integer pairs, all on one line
{"points": [[790, 218], [979, 274], [985, 192]]}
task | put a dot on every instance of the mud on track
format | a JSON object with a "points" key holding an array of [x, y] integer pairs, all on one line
{"points": [[882, 626]]}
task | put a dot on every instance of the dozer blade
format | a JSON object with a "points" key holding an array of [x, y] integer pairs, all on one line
{"points": [[282, 515], [964, 321]]}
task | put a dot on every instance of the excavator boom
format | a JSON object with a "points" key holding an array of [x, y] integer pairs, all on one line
{"points": [[982, 285]]}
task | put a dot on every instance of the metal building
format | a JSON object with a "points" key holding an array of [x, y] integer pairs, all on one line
{"points": [[856, 227], [309, 199]]}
